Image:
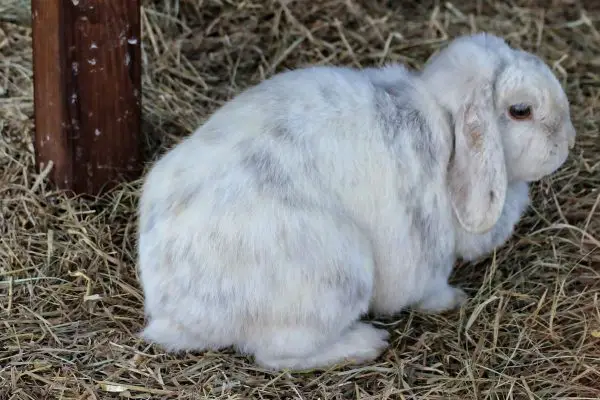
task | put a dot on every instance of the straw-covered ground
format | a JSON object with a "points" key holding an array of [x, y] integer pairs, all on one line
{"points": [[70, 303]]}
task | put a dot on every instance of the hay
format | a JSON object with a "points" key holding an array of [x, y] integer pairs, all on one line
{"points": [[69, 298]]}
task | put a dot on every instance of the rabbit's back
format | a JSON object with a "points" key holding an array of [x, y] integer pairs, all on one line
{"points": [[316, 146], [320, 133]]}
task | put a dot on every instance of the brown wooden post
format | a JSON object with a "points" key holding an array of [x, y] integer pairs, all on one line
{"points": [[87, 91]]}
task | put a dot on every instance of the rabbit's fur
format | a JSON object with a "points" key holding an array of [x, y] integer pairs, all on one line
{"points": [[326, 192]]}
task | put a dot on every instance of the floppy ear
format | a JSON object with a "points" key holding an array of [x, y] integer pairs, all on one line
{"points": [[477, 175]]}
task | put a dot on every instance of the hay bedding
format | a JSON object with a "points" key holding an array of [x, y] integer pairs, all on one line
{"points": [[69, 300]]}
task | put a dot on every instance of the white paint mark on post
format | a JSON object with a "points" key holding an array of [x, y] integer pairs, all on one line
{"points": [[97, 132], [92, 61]]}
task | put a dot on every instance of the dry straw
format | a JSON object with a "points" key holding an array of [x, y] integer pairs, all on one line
{"points": [[70, 304]]}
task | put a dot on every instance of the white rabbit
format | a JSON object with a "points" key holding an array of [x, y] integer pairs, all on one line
{"points": [[326, 192]]}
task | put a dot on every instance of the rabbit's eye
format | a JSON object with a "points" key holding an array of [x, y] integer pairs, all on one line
{"points": [[520, 111]]}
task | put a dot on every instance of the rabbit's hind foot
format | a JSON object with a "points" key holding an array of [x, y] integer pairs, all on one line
{"points": [[308, 349]]}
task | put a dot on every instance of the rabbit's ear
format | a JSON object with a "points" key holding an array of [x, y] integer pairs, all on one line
{"points": [[477, 173]]}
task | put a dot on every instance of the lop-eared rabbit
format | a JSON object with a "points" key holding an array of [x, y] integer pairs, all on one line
{"points": [[325, 193]]}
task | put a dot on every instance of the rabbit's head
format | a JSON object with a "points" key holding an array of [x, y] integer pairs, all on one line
{"points": [[511, 122]]}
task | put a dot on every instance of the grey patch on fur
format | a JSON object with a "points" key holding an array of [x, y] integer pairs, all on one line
{"points": [[329, 94], [422, 222], [218, 300], [427, 227], [215, 296], [349, 288], [354, 289], [503, 122], [269, 175], [265, 169], [396, 90], [397, 115], [553, 127], [150, 220], [424, 139], [341, 275], [261, 161], [184, 199], [281, 132]]}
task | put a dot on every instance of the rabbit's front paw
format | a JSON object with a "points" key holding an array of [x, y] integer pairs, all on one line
{"points": [[443, 298]]}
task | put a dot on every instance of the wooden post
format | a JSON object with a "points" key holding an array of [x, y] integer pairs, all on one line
{"points": [[87, 91]]}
